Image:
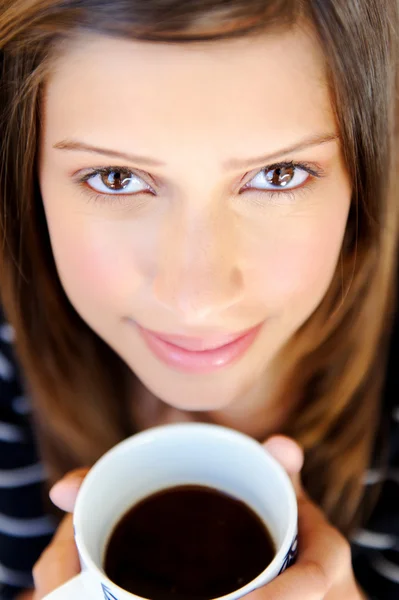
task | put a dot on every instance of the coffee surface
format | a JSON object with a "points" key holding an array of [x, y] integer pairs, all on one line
{"points": [[187, 543]]}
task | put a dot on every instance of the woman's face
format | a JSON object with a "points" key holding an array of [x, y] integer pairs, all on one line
{"points": [[193, 228]]}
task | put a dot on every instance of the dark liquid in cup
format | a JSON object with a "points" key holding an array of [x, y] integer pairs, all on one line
{"points": [[188, 543]]}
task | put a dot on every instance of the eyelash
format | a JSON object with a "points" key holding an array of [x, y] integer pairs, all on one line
{"points": [[315, 171]]}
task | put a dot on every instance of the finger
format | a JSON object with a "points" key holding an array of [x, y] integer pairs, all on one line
{"points": [[59, 562], [290, 456], [63, 494], [320, 543], [297, 583], [323, 559]]}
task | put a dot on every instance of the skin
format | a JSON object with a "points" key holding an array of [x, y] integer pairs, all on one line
{"points": [[322, 571], [153, 257], [199, 256]]}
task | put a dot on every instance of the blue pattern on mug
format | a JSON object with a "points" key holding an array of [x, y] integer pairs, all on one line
{"points": [[108, 595], [291, 556]]}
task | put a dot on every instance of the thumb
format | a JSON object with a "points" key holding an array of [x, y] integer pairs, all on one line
{"points": [[64, 493], [290, 456]]}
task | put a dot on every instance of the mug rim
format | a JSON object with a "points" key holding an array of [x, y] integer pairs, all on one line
{"points": [[166, 430]]}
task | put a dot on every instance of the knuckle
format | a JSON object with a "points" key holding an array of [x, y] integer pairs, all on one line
{"points": [[39, 567], [344, 547], [46, 560], [316, 573], [50, 567], [343, 552]]}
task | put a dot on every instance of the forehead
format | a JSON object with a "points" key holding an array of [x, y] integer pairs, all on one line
{"points": [[266, 91]]}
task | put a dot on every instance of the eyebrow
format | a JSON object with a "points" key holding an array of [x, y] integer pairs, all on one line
{"points": [[230, 164]]}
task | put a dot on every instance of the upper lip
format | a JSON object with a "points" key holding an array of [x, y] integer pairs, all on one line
{"points": [[200, 343]]}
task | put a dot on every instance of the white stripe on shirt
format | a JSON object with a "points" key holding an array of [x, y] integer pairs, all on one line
{"points": [[21, 405], [10, 478], [373, 539], [27, 528], [16, 578], [11, 433], [7, 333], [386, 568], [6, 370], [373, 476]]}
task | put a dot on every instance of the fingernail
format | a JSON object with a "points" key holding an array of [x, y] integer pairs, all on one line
{"points": [[73, 478], [287, 451], [64, 492]]}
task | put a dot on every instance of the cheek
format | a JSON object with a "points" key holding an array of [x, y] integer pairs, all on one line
{"points": [[96, 261], [303, 271], [89, 268], [296, 263]]}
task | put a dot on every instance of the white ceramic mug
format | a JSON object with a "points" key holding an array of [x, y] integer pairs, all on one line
{"points": [[166, 456]]}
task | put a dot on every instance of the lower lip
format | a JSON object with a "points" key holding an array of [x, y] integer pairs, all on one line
{"points": [[205, 361]]}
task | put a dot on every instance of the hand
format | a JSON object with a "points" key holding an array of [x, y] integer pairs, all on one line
{"points": [[323, 570], [60, 561]]}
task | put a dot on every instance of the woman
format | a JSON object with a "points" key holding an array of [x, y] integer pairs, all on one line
{"points": [[200, 223]]}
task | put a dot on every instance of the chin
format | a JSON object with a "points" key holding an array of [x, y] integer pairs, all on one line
{"points": [[195, 404], [195, 407], [190, 397], [191, 392]]}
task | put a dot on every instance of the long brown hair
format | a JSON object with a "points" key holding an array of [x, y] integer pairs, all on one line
{"points": [[336, 360]]}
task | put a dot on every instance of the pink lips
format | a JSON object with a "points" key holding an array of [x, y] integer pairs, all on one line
{"points": [[197, 355]]}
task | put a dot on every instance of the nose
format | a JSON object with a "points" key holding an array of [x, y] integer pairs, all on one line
{"points": [[198, 275]]}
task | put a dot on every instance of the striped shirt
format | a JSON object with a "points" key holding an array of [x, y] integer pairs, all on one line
{"points": [[26, 529]]}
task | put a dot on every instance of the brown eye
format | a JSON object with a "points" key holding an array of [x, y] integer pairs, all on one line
{"points": [[280, 176], [116, 179]]}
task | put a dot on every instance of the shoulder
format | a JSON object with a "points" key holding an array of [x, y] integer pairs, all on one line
{"points": [[390, 397], [376, 545], [13, 404], [25, 529]]}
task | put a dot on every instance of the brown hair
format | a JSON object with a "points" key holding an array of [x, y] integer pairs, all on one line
{"points": [[336, 360]]}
